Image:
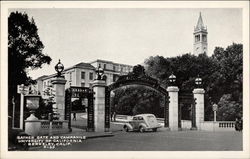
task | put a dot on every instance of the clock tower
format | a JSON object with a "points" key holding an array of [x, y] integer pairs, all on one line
{"points": [[200, 38]]}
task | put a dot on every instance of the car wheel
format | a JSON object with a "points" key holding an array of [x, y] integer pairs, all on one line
{"points": [[154, 129], [141, 129], [125, 128]]}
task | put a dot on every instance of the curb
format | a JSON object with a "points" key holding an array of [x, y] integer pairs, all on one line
{"points": [[97, 136]]}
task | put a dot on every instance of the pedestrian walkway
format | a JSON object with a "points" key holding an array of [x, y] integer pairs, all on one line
{"points": [[88, 135]]}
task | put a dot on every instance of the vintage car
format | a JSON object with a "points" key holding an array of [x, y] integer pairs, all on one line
{"points": [[142, 122]]}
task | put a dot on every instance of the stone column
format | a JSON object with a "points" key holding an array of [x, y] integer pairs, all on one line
{"points": [[199, 109], [59, 86], [99, 105], [173, 107]]}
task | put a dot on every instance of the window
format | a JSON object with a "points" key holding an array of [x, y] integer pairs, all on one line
{"points": [[197, 38], [83, 75], [114, 68], [44, 84], [82, 84], [140, 118], [104, 66], [104, 77], [134, 118], [70, 76], [204, 38], [115, 77], [91, 76]]}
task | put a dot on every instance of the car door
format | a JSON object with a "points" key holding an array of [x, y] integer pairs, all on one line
{"points": [[134, 123]]}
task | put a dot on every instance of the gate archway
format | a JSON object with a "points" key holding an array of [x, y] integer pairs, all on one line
{"points": [[137, 77], [80, 92]]}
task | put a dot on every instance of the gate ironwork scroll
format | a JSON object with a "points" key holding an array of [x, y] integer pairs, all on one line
{"points": [[80, 92], [187, 98], [137, 77]]}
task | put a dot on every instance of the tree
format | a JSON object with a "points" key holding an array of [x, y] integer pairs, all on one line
{"points": [[221, 74], [46, 105], [137, 99], [24, 51]]}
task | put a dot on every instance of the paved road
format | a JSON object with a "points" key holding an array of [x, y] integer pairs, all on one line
{"points": [[162, 141]]}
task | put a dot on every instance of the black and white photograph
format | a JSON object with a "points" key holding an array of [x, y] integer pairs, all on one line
{"points": [[125, 79]]}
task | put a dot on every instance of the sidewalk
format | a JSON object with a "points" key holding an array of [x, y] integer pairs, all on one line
{"points": [[89, 135], [77, 133]]}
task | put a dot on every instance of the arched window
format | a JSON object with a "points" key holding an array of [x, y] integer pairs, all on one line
{"points": [[104, 77]]}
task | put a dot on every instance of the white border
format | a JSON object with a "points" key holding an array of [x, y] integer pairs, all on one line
{"points": [[124, 4]]}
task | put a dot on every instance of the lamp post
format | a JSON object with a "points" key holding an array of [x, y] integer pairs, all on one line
{"points": [[59, 68], [198, 82], [99, 72], [198, 93], [215, 108], [59, 87], [13, 113], [172, 112], [172, 79]]}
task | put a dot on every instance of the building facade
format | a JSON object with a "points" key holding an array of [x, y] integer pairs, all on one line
{"points": [[83, 74], [200, 38]]}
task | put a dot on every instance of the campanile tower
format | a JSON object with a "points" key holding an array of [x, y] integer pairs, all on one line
{"points": [[200, 38]]}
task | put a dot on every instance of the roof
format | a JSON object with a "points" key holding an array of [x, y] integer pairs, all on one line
{"points": [[200, 24], [41, 77], [81, 65], [104, 61], [145, 115], [111, 62]]}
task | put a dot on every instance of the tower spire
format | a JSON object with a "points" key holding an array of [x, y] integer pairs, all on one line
{"points": [[199, 24]]}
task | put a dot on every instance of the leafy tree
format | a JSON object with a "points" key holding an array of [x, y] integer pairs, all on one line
{"points": [[24, 51], [221, 74], [46, 104], [136, 99], [229, 109]]}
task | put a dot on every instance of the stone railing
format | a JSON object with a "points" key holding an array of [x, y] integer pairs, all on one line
{"points": [[46, 127], [186, 124], [53, 127], [219, 126], [226, 124]]}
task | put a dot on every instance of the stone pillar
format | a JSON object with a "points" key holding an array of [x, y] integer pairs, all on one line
{"points": [[59, 86], [99, 105], [199, 108], [173, 107]]}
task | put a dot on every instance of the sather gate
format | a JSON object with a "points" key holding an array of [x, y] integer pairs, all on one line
{"points": [[137, 77], [99, 101]]}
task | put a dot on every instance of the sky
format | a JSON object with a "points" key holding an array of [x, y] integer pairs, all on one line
{"points": [[128, 35]]}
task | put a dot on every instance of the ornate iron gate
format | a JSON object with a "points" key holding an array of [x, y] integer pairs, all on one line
{"points": [[138, 77], [107, 108], [80, 92], [187, 98]]}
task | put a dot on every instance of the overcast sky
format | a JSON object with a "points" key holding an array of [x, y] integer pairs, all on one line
{"points": [[128, 36]]}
